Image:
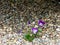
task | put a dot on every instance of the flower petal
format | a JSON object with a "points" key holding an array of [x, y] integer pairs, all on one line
{"points": [[34, 30], [41, 23]]}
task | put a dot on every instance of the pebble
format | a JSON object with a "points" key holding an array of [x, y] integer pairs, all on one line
{"points": [[57, 35], [50, 24], [17, 42], [43, 37], [58, 42], [28, 43], [33, 22], [59, 26], [47, 35], [36, 26], [52, 42], [20, 40], [37, 41], [4, 40], [59, 2], [58, 29], [8, 36]]}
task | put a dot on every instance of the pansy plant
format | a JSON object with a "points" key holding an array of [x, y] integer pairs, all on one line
{"points": [[35, 31]]}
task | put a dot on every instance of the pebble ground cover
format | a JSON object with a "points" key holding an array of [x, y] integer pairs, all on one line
{"points": [[29, 22]]}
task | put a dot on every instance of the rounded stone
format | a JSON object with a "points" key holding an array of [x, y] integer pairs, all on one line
{"points": [[58, 29]]}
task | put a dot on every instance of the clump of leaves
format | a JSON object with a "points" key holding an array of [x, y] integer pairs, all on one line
{"points": [[39, 30], [28, 37], [34, 31]]}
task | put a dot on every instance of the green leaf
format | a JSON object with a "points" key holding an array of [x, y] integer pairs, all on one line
{"points": [[28, 37], [39, 30]]}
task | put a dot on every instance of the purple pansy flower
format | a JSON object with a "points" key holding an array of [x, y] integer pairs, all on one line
{"points": [[28, 22], [34, 30], [41, 23]]}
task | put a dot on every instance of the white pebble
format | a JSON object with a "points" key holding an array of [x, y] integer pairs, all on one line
{"points": [[36, 41], [43, 37], [17, 42], [36, 26], [58, 29], [33, 22], [59, 2], [4, 40], [58, 26], [57, 35], [50, 24]]}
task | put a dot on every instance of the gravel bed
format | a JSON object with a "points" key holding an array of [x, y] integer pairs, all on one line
{"points": [[16, 14]]}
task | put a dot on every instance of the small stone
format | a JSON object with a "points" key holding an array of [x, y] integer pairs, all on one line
{"points": [[20, 31], [33, 22], [43, 37], [59, 2], [58, 26], [17, 42], [13, 38], [36, 26], [21, 19], [57, 35], [5, 27], [37, 41], [58, 29], [50, 24]]}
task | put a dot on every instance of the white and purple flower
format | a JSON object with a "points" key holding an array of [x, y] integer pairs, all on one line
{"points": [[41, 23], [34, 30]]}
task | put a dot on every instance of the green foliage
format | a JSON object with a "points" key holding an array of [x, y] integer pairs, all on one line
{"points": [[39, 30], [28, 37]]}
